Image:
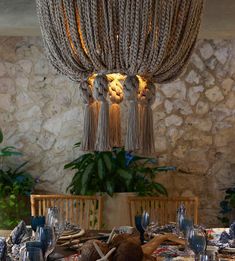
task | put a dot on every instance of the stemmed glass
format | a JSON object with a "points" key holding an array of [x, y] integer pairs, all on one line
{"points": [[148, 222], [186, 227], [37, 221], [197, 241], [55, 220], [32, 254], [46, 235], [181, 215], [138, 225]]}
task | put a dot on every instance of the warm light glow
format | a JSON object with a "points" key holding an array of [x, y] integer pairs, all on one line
{"points": [[118, 79]]}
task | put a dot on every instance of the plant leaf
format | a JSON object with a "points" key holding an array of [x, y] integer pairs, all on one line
{"points": [[77, 145], [20, 167], [125, 174], [101, 168], [87, 173], [8, 148], [109, 187], [78, 160], [108, 160], [232, 201], [160, 188], [10, 153]]}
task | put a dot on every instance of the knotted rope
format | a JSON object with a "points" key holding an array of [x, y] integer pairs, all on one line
{"points": [[131, 87], [101, 88], [90, 117], [146, 99], [116, 97]]}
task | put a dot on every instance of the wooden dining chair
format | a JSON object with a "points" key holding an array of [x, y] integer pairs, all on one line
{"points": [[163, 208], [85, 211]]}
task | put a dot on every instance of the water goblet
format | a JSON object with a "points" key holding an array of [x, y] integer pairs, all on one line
{"points": [[148, 222], [55, 219], [139, 227], [46, 236], [145, 220], [37, 221], [52, 216], [37, 244], [186, 226], [197, 242], [181, 214], [32, 254]]}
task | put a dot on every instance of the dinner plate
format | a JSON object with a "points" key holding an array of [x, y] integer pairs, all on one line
{"points": [[228, 250], [76, 235], [71, 232]]}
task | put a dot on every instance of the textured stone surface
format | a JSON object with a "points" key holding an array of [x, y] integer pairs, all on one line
{"points": [[173, 120], [214, 94], [194, 123], [194, 94]]}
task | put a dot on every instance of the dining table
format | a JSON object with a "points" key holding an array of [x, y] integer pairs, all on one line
{"points": [[69, 254]]}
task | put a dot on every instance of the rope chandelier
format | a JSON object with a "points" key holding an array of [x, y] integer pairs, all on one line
{"points": [[117, 50]]}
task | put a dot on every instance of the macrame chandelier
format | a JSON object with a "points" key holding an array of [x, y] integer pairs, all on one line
{"points": [[117, 50]]}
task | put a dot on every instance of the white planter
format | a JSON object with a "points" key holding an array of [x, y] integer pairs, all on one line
{"points": [[116, 210]]}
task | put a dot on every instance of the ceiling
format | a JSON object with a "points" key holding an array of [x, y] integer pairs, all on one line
{"points": [[18, 18]]}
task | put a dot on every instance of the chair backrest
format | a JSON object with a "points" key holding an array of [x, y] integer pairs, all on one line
{"points": [[85, 211], [163, 208]]}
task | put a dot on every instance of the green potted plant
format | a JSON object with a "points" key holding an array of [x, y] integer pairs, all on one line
{"points": [[118, 174], [227, 207], [15, 187]]}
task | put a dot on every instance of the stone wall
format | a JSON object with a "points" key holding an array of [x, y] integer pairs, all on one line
{"points": [[41, 114]]}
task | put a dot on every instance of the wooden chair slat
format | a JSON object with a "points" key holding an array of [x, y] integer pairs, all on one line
{"points": [[85, 211], [164, 208]]}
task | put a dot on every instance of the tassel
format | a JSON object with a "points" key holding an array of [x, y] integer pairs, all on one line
{"points": [[100, 93], [90, 118], [147, 98], [116, 97], [131, 88], [115, 126]]}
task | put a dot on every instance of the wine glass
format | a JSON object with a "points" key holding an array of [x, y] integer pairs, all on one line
{"points": [[52, 215], [186, 227], [181, 214], [37, 221], [197, 241], [32, 254], [139, 227], [55, 219], [46, 236], [145, 220], [149, 222]]}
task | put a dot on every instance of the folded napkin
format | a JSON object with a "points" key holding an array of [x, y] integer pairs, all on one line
{"points": [[228, 238], [16, 240], [224, 238], [3, 248], [232, 230], [18, 233]]}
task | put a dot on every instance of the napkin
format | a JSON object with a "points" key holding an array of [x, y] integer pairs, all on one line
{"points": [[18, 233], [224, 237], [232, 230], [3, 248]]}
